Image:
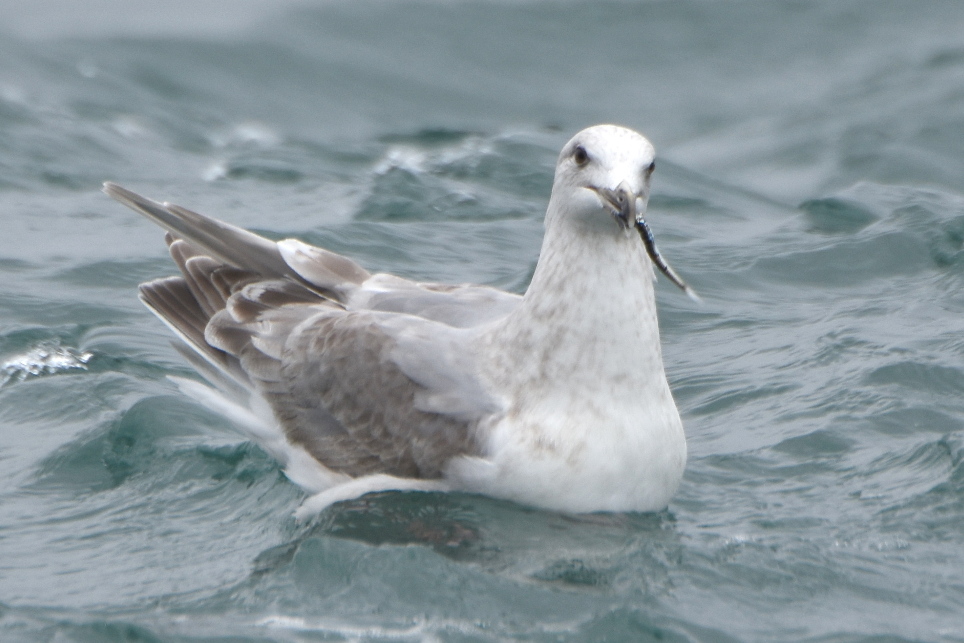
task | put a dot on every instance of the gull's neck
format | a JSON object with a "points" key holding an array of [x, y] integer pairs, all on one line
{"points": [[588, 423], [587, 322]]}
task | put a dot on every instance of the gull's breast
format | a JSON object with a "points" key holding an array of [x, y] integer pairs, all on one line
{"points": [[620, 458]]}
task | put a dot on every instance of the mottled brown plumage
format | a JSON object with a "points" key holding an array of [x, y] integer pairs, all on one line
{"points": [[245, 323]]}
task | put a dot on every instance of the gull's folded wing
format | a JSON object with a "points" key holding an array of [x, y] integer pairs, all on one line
{"points": [[366, 374]]}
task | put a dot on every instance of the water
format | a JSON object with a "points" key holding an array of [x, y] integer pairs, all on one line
{"points": [[809, 186]]}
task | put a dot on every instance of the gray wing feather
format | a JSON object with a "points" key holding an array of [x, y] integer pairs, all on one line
{"points": [[322, 267], [459, 306], [223, 241], [338, 364], [443, 362], [237, 247], [172, 299]]}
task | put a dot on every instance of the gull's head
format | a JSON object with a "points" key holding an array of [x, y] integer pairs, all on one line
{"points": [[602, 188], [602, 178]]}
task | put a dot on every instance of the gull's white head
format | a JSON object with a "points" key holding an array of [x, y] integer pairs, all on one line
{"points": [[602, 178], [602, 188]]}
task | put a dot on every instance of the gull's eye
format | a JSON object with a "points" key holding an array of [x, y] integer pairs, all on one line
{"points": [[580, 156], [652, 166]]}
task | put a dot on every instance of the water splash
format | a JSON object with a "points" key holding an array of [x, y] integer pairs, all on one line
{"points": [[45, 359]]}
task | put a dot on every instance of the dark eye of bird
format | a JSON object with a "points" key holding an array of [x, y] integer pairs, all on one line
{"points": [[580, 156], [652, 166]]}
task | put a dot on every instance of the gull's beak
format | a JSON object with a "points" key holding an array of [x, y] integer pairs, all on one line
{"points": [[622, 203]]}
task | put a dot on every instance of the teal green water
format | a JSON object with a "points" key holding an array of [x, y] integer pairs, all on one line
{"points": [[810, 186]]}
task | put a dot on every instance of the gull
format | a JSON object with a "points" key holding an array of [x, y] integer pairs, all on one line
{"points": [[358, 382]]}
